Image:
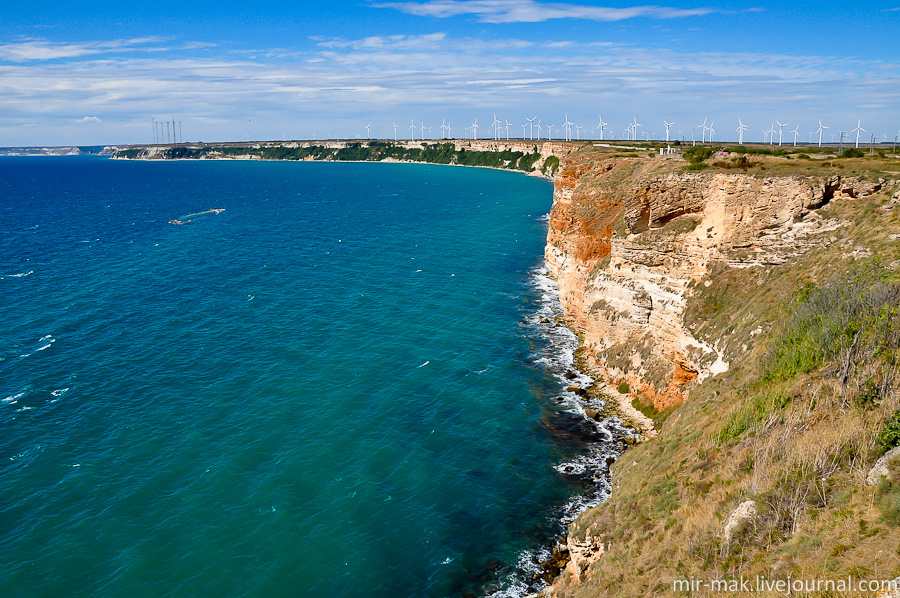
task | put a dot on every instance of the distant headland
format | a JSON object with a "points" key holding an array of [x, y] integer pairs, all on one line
{"points": [[538, 157]]}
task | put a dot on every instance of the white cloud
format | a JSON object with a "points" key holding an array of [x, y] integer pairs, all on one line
{"points": [[30, 49], [384, 79], [530, 11]]}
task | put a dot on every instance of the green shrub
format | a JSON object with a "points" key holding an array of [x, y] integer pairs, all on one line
{"points": [[887, 499], [697, 153], [623, 388], [850, 320], [551, 165], [868, 396], [889, 437], [851, 152]]}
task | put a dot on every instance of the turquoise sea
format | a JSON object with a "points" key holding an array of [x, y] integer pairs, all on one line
{"points": [[347, 383]]}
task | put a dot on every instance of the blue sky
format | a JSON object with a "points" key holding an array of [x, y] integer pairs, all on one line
{"points": [[98, 72]]}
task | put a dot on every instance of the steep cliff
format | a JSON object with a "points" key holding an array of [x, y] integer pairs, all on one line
{"points": [[629, 236], [755, 313]]}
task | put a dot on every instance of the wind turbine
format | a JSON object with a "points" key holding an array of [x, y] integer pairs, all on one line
{"points": [[395, 131], [423, 130], [796, 132], [602, 125], [412, 130], [549, 132], [703, 127], [857, 131], [523, 131], [634, 127], [781, 131], [740, 131], [819, 131], [668, 124], [368, 127], [568, 127], [507, 128], [711, 131], [475, 130], [496, 126], [539, 128], [443, 128], [531, 128], [771, 132]]}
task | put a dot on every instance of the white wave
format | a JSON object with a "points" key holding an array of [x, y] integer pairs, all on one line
{"points": [[423, 365], [592, 466], [58, 393], [13, 399]]}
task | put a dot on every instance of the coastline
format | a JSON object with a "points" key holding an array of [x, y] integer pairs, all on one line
{"points": [[585, 415], [539, 158], [535, 173]]}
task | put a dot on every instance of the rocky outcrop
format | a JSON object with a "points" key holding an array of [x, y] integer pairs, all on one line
{"points": [[881, 468], [629, 236], [744, 512]]}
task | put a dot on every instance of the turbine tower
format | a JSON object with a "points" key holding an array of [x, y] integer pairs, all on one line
{"points": [[781, 127], [412, 130], [508, 124], [740, 131], [857, 130], [496, 127], [796, 132], [568, 126], [395, 131], [602, 125], [668, 124], [368, 127], [634, 127], [549, 132], [703, 132], [531, 127], [475, 130], [711, 131]]}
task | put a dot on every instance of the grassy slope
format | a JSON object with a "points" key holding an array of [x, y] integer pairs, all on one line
{"points": [[797, 443]]}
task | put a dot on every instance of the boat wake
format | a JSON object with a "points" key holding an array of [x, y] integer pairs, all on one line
{"points": [[187, 218]]}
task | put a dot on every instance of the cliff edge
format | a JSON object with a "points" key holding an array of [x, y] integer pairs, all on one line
{"points": [[751, 309]]}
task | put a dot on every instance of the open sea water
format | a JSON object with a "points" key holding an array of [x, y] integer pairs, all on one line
{"points": [[347, 383]]}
